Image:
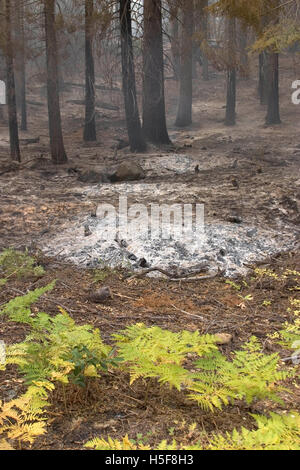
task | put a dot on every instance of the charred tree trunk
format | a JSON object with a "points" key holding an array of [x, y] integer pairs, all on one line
{"points": [[134, 129], [184, 112], [204, 27], [89, 133], [231, 74], [55, 131], [244, 60], [20, 64], [175, 43], [11, 92], [154, 113], [263, 78], [273, 114]]}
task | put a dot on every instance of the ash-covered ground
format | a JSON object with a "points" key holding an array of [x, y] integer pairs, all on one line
{"points": [[99, 240]]}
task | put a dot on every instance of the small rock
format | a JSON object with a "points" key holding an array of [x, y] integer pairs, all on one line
{"points": [[87, 231], [94, 212], [100, 296], [251, 232], [234, 219], [142, 263], [223, 338], [235, 183]]}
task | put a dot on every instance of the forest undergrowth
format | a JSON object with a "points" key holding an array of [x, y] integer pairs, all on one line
{"points": [[237, 398]]}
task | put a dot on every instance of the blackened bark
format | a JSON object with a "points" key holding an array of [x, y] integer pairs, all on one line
{"points": [[244, 59], [175, 43], [231, 97], [20, 64], [89, 133], [231, 74], [154, 113], [273, 114], [204, 28], [184, 112], [55, 131], [11, 92], [263, 78], [134, 128]]}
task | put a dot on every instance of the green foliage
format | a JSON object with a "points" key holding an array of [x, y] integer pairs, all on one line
{"points": [[59, 350], [100, 275], [250, 13], [276, 32], [153, 352], [278, 37], [18, 309], [18, 264], [115, 444], [278, 432], [233, 284], [22, 419], [56, 348], [250, 375], [289, 335]]}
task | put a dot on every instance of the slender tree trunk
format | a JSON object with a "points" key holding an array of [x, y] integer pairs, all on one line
{"points": [[231, 74], [154, 113], [20, 63], [273, 114], [175, 43], [55, 131], [204, 27], [184, 112], [11, 92], [89, 133], [263, 78], [244, 60], [134, 129]]}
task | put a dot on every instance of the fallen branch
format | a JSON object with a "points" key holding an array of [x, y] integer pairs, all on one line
{"points": [[188, 313], [201, 278], [171, 277]]}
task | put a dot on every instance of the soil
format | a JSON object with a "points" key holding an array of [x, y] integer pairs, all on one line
{"points": [[249, 171]]}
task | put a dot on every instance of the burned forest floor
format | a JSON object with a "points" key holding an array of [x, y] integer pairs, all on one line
{"points": [[247, 174]]}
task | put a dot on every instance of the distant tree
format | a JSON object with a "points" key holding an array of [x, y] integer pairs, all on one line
{"points": [[231, 73], [266, 17], [201, 25], [20, 62], [174, 40], [55, 131], [134, 129], [184, 111], [10, 84], [263, 78], [89, 133], [273, 113], [154, 113], [242, 38]]}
